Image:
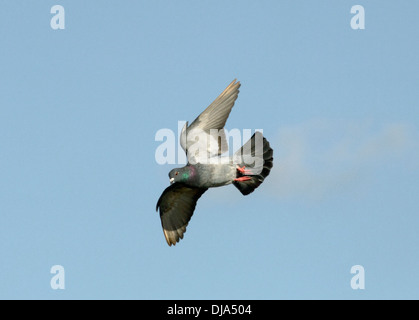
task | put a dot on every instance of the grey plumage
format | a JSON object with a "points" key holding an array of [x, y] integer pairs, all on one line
{"points": [[246, 169], [177, 204], [212, 118]]}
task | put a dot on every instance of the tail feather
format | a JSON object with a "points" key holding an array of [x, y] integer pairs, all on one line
{"points": [[262, 156]]}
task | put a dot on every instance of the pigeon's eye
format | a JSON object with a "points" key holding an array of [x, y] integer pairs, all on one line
{"points": [[176, 173]]}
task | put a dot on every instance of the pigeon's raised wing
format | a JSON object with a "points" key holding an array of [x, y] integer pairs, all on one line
{"points": [[205, 137], [177, 204]]}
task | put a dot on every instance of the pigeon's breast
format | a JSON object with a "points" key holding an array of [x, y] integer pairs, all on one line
{"points": [[215, 175]]}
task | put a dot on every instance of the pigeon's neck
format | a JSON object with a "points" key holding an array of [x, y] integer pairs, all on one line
{"points": [[192, 172]]}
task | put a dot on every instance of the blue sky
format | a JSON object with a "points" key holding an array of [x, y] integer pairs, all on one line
{"points": [[80, 107]]}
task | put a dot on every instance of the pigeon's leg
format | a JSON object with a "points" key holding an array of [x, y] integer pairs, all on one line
{"points": [[243, 170], [242, 179]]}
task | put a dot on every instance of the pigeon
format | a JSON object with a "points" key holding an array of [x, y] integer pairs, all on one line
{"points": [[204, 142]]}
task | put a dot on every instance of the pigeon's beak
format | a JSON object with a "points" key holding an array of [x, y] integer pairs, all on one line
{"points": [[172, 180]]}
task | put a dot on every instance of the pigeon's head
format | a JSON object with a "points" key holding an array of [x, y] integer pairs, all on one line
{"points": [[180, 174]]}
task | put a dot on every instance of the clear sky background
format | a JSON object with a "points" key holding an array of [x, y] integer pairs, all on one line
{"points": [[80, 107]]}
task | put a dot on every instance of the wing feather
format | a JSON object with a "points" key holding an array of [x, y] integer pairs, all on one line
{"points": [[213, 117], [177, 204]]}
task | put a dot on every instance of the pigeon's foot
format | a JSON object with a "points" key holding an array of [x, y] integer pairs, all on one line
{"points": [[243, 171], [241, 179]]}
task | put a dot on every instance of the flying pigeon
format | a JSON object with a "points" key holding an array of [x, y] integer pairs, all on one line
{"points": [[204, 141]]}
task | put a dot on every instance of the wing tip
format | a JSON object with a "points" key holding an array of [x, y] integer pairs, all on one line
{"points": [[230, 89], [235, 83], [174, 236]]}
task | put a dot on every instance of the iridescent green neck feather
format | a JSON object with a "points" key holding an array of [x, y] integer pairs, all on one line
{"points": [[185, 176]]}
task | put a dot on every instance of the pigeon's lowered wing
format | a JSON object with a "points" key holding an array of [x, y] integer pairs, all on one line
{"points": [[205, 137], [177, 204]]}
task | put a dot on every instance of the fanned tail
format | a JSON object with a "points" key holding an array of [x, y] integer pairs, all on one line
{"points": [[254, 164]]}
